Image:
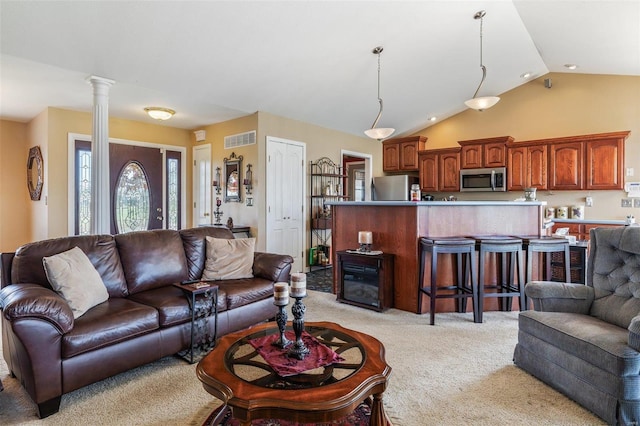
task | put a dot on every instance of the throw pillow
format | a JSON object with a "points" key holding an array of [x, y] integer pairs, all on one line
{"points": [[73, 276], [229, 259]]}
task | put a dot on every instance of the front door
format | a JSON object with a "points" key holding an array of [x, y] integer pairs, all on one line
{"points": [[135, 174]]}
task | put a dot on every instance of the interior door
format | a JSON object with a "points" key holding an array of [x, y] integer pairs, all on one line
{"points": [[285, 199], [202, 182], [136, 179]]}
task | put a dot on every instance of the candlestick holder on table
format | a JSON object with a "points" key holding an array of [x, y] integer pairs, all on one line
{"points": [[298, 349], [281, 300]]}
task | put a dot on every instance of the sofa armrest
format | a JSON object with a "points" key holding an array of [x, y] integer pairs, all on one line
{"points": [[634, 333], [32, 301], [273, 267], [552, 296]]}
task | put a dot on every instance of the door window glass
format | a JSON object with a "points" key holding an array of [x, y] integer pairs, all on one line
{"points": [[132, 200]]}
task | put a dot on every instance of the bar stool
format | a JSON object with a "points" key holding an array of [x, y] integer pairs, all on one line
{"points": [[509, 253], [466, 284], [546, 246]]}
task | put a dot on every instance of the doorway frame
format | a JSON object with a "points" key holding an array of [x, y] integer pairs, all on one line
{"points": [[368, 169], [71, 197]]}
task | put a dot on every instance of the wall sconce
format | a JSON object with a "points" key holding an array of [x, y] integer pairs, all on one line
{"points": [[248, 178], [216, 181]]}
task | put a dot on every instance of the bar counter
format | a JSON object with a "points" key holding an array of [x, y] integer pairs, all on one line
{"points": [[398, 225]]}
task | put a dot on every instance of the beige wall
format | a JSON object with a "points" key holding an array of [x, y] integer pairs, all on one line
{"points": [[15, 204], [576, 104], [319, 142]]}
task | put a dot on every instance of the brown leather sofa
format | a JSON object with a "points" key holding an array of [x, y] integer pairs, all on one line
{"points": [[144, 319]]}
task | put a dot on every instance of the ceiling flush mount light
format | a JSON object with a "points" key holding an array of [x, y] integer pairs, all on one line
{"points": [[381, 132], [571, 66], [483, 102], [159, 113]]}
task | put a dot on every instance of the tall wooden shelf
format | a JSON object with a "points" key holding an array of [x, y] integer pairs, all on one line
{"points": [[327, 183]]}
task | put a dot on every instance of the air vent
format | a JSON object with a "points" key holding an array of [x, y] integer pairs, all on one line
{"points": [[241, 139]]}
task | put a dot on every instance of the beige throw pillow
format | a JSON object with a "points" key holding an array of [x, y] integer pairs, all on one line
{"points": [[73, 277], [229, 259]]}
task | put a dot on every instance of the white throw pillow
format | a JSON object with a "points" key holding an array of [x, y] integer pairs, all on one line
{"points": [[72, 276], [229, 259]]}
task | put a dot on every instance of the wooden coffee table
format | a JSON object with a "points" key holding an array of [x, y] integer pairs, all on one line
{"points": [[236, 374]]}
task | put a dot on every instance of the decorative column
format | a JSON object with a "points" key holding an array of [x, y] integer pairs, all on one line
{"points": [[100, 200]]}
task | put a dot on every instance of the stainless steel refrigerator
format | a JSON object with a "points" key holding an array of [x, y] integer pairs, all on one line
{"points": [[393, 188]]}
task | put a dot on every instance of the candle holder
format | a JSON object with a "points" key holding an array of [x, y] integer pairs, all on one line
{"points": [[298, 350], [218, 213], [365, 248], [281, 320]]}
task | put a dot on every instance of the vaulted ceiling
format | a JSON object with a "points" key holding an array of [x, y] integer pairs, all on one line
{"points": [[311, 61]]}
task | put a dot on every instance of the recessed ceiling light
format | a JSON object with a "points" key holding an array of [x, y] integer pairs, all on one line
{"points": [[571, 66], [525, 75], [432, 119]]}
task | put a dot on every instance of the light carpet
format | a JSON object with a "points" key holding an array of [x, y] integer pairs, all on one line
{"points": [[456, 372]]}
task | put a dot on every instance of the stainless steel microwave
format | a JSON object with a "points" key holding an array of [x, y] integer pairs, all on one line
{"points": [[483, 180]]}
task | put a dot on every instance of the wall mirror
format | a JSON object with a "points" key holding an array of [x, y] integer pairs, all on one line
{"points": [[35, 176], [233, 176]]}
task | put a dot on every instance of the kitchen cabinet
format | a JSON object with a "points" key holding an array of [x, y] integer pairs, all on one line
{"points": [[401, 154], [593, 161], [440, 170], [605, 163], [526, 166], [488, 152]]}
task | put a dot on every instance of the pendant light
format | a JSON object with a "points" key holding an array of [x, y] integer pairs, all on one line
{"points": [[379, 133], [483, 102]]}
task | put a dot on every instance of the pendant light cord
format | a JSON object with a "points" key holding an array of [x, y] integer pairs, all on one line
{"points": [[484, 69], [379, 98]]}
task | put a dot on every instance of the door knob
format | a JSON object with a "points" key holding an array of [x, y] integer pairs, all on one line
{"points": [[159, 217], [159, 209]]}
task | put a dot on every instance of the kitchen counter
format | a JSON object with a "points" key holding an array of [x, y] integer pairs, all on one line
{"points": [[398, 225], [591, 221]]}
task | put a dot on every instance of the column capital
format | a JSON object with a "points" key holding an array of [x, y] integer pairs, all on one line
{"points": [[95, 81]]}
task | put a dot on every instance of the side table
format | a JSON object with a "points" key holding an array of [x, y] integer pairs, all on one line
{"points": [[201, 310]]}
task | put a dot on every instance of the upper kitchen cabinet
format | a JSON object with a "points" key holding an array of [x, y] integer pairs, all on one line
{"points": [[440, 170], [587, 162], [488, 152], [401, 154], [526, 166]]}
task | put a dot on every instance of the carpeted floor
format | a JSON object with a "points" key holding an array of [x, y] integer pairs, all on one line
{"points": [[453, 373]]}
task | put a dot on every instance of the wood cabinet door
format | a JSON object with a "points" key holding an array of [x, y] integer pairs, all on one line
{"points": [[428, 165], [604, 164], [471, 156], [494, 155], [536, 167], [566, 166], [409, 156], [449, 172], [390, 157], [517, 169]]}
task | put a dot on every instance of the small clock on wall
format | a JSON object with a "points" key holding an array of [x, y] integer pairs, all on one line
{"points": [[35, 176]]}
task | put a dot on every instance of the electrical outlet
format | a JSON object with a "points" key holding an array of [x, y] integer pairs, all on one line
{"points": [[629, 171], [636, 203], [588, 201], [626, 202]]}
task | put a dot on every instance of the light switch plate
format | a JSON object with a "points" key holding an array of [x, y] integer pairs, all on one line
{"points": [[636, 203], [626, 202]]}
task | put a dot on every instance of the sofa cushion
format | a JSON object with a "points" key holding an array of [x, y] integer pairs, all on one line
{"points": [[101, 250], [73, 277], [245, 291], [152, 259], [110, 322], [597, 342], [172, 304], [195, 246], [229, 259]]}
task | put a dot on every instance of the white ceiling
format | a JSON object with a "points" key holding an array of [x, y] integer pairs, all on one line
{"points": [[311, 61]]}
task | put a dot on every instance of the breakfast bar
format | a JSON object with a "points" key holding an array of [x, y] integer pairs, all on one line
{"points": [[396, 227]]}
